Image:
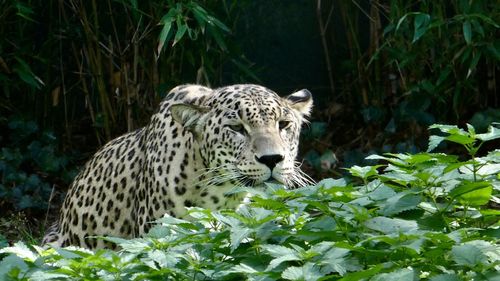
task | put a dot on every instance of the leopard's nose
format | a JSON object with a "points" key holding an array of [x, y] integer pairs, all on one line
{"points": [[270, 160]]}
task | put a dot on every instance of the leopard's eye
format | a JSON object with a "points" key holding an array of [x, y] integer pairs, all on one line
{"points": [[239, 128], [283, 124]]}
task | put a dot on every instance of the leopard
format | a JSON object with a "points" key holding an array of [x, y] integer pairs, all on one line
{"points": [[198, 146]]}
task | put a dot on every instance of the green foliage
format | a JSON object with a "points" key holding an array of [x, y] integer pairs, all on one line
{"points": [[462, 31], [178, 17], [417, 217], [421, 62], [29, 164], [106, 64]]}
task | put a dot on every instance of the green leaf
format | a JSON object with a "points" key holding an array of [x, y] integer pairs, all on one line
{"points": [[24, 11], [238, 234], [364, 172], [399, 159], [181, 30], [391, 226], [421, 23], [468, 255], [308, 272], [335, 260], [445, 128], [71, 254], [165, 35], [160, 259], [466, 27], [434, 141], [493, 156], [382, 192], [460, 139], [41, 275], [9, 264], [454, 166], [472, 193], [219, 24], [278, 251], [493, 133], [402, 201], [214, 32], [401, 20], [473, 64], [277, 261], [398, 176], [489, 169], [363, 274], [329, 182], [21, 250], [24, 72], [201, 16], [434, 222], [398, 275], [242, 268], [446, 277]]}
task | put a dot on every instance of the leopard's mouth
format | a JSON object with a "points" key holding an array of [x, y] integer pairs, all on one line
{"points": [[270, 179]]}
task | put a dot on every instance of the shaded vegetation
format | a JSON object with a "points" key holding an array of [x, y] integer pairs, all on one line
{"points": [[398, 66]]}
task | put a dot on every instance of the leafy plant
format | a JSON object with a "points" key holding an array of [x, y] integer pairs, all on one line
{"points": [[103, 66], [400, 66], [30, 166], [416, 217]]}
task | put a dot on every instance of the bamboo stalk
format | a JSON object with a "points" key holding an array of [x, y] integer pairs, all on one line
{"points": [[322, 30]]}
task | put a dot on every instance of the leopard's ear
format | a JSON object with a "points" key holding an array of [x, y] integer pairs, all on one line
{"points": [[187, 114], [301, 101]]}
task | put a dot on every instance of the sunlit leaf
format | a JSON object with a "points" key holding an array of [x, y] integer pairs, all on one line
{"points": [[398, 275], [446, 277], [20, 249], [400, 202], [278, 251], [336, 261], [391, 225], [364, 172], [238, 234], [277, 261], [493, 133], [243, 268], [460, 139], [473, 193], [308, 272], [467, 254], [434, 141]]}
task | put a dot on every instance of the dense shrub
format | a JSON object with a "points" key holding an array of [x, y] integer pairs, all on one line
{"points": [[30, 166], [426, 216]]}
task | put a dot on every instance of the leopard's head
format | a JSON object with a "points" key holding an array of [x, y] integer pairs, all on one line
{"points": [[247, 134]]}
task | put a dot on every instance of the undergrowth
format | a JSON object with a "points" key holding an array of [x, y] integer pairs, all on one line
{"points": [[425, 216]]}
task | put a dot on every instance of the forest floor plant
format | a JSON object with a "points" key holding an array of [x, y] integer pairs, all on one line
{"points": [[425, 216]]}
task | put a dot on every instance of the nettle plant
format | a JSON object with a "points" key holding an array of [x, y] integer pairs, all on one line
{"points": [[427, 216]]}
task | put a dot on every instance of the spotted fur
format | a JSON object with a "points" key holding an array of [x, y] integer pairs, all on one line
{"points": [[198, 146]]}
